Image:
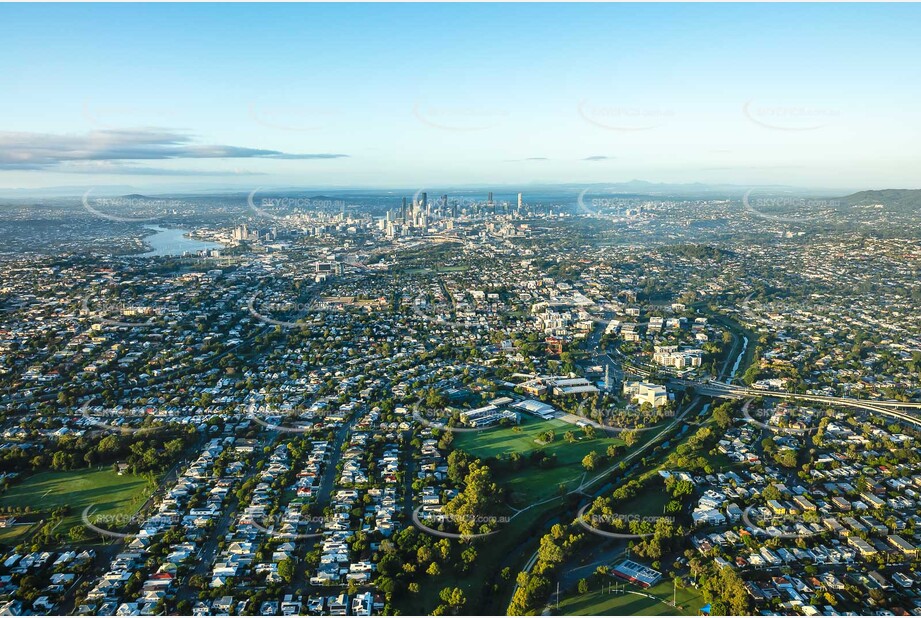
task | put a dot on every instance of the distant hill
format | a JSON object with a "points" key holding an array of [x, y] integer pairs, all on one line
{"points": [[900, 200]]}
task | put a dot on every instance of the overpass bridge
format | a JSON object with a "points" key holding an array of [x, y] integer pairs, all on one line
{"points": [[901, 410]]}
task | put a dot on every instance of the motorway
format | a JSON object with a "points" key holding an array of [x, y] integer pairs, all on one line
{"points": [[894, 409]]}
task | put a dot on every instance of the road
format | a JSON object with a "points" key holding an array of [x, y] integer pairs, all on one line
{"points": [[731, 391], [204, 560], [323, 498]]}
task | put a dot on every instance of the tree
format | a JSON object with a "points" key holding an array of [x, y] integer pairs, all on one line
{"points": [[453, 597], [722, 415], [470, 509], [590, 461], [726, 591], [77, 533], [198, 581], [583, 586], [457, 466], [286, 570], [468, 556], [549, 552], [424, 554]]}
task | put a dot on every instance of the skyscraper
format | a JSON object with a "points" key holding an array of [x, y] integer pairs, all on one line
{"points": [[519, 202]]}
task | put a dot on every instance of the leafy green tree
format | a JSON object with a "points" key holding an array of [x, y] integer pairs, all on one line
{"points": [[286, 570], [591, 460]]}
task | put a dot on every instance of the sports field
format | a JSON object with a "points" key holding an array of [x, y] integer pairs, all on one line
{"points": [[597, 603], [13, 535], [108, 493], [532, 483]]}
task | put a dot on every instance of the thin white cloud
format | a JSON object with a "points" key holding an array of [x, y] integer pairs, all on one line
{"points": [[25, 151], [121, 169]]}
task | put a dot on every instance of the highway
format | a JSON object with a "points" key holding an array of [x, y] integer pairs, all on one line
{"points": [[732, 391]]}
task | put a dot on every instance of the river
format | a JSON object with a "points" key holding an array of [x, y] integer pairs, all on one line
{"points": [[174, 241], [735, 367]]}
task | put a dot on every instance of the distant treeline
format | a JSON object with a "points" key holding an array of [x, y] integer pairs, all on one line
{"points": [[701, 252], [147, 451]]}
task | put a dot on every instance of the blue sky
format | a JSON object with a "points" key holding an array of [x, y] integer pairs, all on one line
{"points": [[172, 96]]}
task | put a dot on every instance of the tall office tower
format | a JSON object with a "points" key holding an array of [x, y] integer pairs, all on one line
{"points": [[425, 202], [403, 210], [489, 199], [519, 202], [444, 205], [454, 210]]}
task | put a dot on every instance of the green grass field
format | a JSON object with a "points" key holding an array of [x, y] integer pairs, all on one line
{"points": [[532, 483], [16, 533], [649, 503], [597, 603], [108, 493]]}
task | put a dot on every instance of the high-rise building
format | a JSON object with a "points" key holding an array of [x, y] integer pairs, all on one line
{"points": [[403, 210], [489, 199], [444, 205], [425, 202], [519, 201]]}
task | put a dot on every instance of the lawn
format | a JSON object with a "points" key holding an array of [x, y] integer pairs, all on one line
{"points": [[597, 603], [532, 483], [650, 502], [108, 493], [15, 534]]}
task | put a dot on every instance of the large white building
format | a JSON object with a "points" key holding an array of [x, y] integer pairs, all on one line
{"points": [[671, 356], [487, 415], [644, 392]]}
